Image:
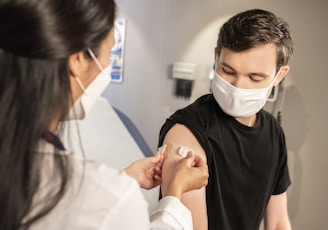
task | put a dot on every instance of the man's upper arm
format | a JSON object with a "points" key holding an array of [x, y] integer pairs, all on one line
{"points": [[276, 215], [195, 200]]}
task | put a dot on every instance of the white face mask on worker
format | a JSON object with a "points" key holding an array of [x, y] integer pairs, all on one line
{"points": [[238, 102], [90, 94]]}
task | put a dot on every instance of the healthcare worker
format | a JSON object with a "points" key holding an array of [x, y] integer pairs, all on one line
{"points": [[54, 60]]}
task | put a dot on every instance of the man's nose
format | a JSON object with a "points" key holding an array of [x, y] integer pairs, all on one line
{"points": [[237, 82]]}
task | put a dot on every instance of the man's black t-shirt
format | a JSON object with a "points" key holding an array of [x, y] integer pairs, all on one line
{"points": [[246, 164]]}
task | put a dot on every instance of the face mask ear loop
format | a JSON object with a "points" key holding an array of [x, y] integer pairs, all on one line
{"points": [[275, 77], [95, 59], [80, 83]]}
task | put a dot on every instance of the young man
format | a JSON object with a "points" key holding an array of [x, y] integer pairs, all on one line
{"points": [[244, 146]]}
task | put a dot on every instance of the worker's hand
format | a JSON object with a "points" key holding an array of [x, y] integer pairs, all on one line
{"points": [[188, 174], [147, 171]]}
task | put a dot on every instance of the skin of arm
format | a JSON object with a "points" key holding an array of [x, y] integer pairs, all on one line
{"points": [[194, 200], [276, 215]]}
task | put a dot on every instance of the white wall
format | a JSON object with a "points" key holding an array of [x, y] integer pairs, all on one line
{"points": [[162, 32]]}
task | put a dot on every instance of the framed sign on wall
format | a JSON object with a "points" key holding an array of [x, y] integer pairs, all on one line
{"points": [[117, 53]]}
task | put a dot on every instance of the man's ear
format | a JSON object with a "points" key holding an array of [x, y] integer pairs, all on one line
{"points": [[283, 72], [77, 64]]}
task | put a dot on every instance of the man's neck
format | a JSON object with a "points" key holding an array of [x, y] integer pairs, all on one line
{"points": [[247, 121]]}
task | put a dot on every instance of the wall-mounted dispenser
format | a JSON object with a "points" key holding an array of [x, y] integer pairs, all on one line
{"points": [[184, 75]]}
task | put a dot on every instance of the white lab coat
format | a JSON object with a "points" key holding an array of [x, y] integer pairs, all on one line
{"points": [[101, 136], [105, 198]]}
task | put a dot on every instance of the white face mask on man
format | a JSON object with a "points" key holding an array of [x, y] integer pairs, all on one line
{"points": [[238, 102], [90, 94]]}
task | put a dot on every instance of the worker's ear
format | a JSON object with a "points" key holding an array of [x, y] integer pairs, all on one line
{"points": [[78, 64], [283, 72], [78, 67]]}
